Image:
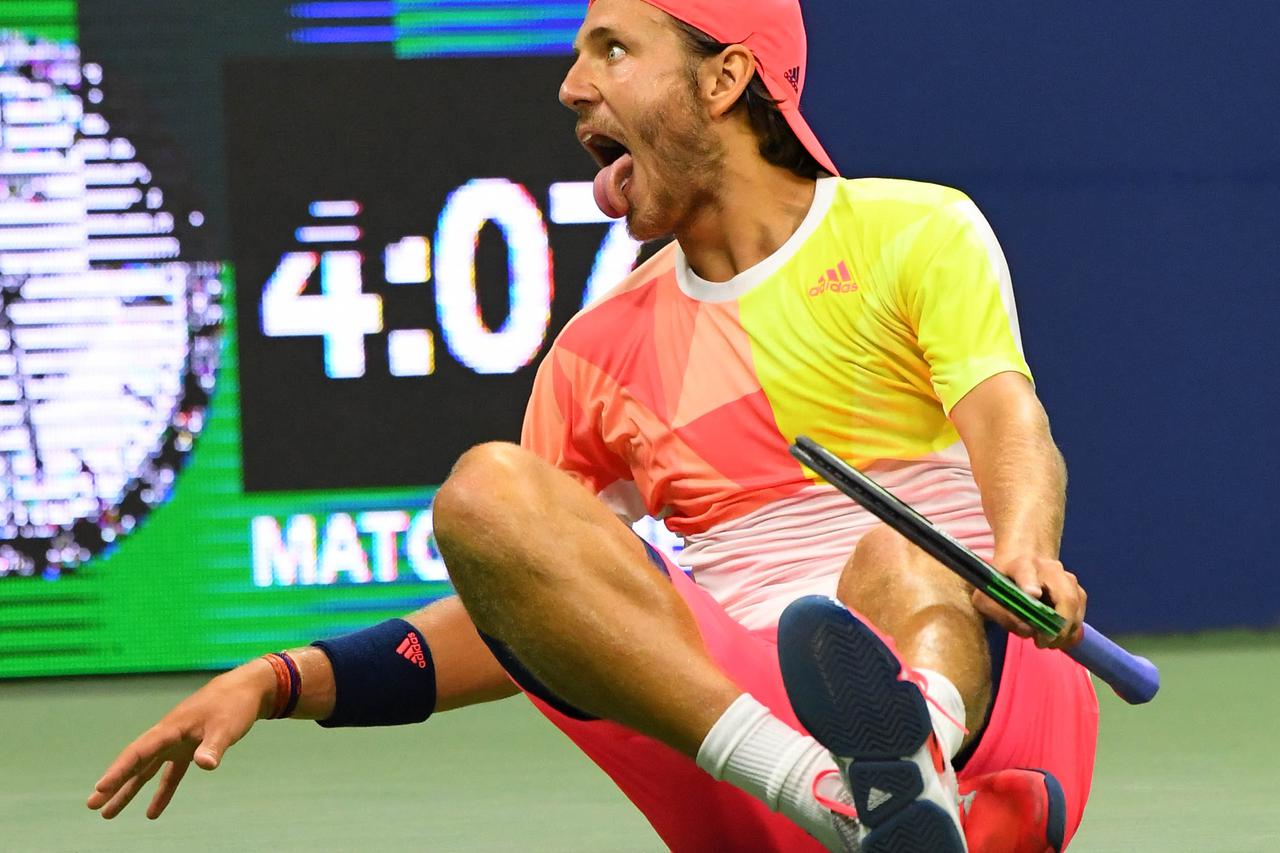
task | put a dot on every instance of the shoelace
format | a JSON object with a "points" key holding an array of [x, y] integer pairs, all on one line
{"points": [[828, 803], [922, 684]]}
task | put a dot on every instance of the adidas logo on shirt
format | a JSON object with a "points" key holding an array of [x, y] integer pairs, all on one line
{"points": [[835, 280], [411, 650]]}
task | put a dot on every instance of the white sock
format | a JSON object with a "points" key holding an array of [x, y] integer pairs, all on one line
{"points": [[753, 750], [944, 693]]}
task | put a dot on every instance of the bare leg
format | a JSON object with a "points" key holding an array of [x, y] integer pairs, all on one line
{"points": [[926, 609], [542, 565]]}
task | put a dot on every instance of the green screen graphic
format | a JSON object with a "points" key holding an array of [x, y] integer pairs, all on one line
{"points": [[160, 507], [186, 590], [54, 20]]}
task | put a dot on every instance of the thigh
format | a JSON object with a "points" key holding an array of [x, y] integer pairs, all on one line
{"points": [[688, 809]]}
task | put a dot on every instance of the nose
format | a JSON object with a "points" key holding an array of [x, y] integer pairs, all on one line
{"points": [[577, 91]]}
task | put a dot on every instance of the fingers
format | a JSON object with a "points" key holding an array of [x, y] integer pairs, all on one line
{"points": [[128, 763], [989, 609], [130, 789], [199, 728], [142, 759], [1068, 599], [125, 765], [1047, 580], [1026, 573], [169, 779]]}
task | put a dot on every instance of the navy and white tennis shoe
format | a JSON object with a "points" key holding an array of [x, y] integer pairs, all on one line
{"points": [[850, 691]]}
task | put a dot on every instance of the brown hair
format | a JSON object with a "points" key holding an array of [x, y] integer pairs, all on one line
{"points": [[778, 142]]}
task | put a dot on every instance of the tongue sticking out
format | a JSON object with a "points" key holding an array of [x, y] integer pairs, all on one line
{"points": [[609, 184]]}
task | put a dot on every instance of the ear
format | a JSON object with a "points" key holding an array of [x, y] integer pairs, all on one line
{"points": [[724, 77]]}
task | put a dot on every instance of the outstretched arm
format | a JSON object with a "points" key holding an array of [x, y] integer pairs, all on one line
{"points": [[204, 725], [1022, 478]]}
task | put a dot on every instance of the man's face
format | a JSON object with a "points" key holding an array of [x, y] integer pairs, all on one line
{"points": [[633, 92]]}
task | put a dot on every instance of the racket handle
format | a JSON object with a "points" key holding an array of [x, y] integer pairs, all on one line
{"points": [[1134, 679]]}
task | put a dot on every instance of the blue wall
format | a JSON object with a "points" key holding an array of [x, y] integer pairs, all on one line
{"points": [[1128, 156]]}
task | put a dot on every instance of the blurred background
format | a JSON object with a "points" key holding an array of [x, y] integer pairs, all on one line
{"points": [[268, 267]]}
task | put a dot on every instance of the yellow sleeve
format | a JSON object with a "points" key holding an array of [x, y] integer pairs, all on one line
{"points": [[959, 301]]}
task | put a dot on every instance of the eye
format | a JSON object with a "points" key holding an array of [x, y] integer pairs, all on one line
{"points": [[615, 52]]}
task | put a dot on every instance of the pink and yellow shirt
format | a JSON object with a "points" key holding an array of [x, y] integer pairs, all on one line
{"points": [[677, 397]]}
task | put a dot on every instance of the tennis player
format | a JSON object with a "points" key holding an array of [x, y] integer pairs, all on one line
{"points": [[875, 316]]}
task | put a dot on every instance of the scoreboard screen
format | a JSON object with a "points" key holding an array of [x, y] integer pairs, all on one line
{"points": [[405, 274], [266, 270]]}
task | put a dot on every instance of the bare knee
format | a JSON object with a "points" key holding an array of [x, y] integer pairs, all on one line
{"points": [[885, 549], [477, 481], [925, 608], [885, 568], [479, 500]]}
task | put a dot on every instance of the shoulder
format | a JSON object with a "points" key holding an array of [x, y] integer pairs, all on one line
{"points": [[920, 195], [616, 315], [903, 215]]}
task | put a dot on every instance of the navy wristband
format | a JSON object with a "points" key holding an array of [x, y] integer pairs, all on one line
{"points": [[383, 676]]}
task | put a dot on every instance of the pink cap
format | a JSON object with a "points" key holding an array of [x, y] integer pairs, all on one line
{"points": [[773, 30]]}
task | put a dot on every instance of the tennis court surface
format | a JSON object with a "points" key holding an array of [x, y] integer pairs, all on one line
{"points": [[1194, 770]]}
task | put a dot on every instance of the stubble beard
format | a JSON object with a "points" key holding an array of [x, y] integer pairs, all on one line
{"points": [[685, 166]]}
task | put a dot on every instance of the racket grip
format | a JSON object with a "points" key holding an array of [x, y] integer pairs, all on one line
{"points": [[1134, 679]]}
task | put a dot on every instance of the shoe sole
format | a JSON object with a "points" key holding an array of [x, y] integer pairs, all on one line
{"points": [[844, 686]]}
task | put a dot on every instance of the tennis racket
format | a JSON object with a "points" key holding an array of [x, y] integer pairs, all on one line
{"points": [[1134, 679]]}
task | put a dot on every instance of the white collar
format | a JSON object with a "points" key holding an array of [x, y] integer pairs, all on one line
{"points": [[702, 290]]}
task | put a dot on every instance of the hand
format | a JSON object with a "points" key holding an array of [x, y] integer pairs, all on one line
{"points": [[200, 728], [1046, 579]]}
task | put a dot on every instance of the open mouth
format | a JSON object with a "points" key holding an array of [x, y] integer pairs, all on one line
{"points": [[604, 149], [616, 168]]}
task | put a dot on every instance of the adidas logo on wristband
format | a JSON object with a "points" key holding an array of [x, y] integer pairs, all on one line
{"points": [[411, 650]]}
